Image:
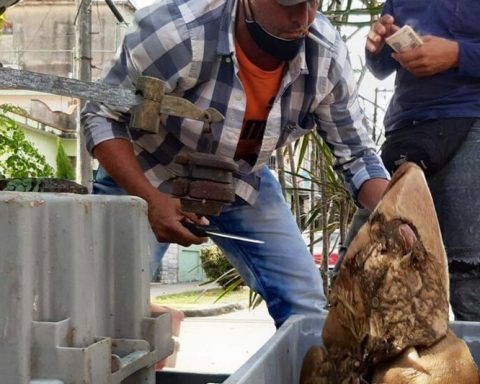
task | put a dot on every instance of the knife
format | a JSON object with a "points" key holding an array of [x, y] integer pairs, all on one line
{"points": [[102, 93], [205, 231]]}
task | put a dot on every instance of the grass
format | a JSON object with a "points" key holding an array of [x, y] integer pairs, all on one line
{"points": [[209, 297]]}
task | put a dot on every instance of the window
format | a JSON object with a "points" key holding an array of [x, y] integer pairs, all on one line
{"points": [[272, 163]]}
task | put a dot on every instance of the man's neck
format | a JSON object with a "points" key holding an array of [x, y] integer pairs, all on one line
{"points": [[258, 57]]}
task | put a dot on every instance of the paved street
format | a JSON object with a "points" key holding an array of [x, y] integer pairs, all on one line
{"points": [[220, 344], [223, 343]]}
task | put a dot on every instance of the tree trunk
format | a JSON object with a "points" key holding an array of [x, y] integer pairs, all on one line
{"points": [[296, 196], [326, 237], [281, 171], [83, 71]]}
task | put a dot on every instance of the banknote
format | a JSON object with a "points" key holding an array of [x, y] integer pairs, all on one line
{"points": [[404, 39]]}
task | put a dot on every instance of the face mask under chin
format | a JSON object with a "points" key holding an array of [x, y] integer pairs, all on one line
{"points": [[276, 47]]}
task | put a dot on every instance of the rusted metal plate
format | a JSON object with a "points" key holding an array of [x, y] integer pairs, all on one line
{"points": [[213, 161], [202, 189], [202, 207], [206, 166], [206, 183]]}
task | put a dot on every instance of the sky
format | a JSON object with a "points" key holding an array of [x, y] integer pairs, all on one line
{"points": [[369, 83]]}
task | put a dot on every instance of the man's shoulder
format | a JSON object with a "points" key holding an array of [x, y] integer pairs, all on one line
{"points": [[325, 29], [186, 11]]}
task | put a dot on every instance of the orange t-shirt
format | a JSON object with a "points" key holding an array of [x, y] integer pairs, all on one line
{"points": [[260, 87]]}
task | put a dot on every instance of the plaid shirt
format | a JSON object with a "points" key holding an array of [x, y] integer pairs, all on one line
{"points": [[190, 45]]}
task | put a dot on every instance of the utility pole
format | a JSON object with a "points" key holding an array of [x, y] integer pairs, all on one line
{"points": [[83, 71], [374, 135]]}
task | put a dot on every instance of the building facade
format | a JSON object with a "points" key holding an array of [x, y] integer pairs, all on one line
{"points": [[39, 35]]}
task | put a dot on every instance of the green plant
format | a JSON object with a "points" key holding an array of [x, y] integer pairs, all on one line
{"points": [[26, 185], [19, 158], [207, 296], [64, 166], [219, 270], [216, 266]]}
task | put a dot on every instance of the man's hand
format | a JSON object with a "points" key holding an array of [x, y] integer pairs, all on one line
{"points": [[371, 192], [165, 216], [164, 212], [435, 55], [380, 30]]}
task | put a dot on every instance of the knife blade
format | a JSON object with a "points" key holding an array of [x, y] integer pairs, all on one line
{"points": [[104, 93], [64, 86], [205, 231]]}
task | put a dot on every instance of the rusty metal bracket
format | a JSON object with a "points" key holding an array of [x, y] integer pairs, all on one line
{"points": [[206, 183], [147, 116]]}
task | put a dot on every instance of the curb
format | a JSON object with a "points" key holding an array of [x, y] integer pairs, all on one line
{"points": [[214, 311]]}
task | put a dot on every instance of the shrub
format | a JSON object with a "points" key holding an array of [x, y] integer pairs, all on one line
{"points": [[64, 166], [19, 158], [218, 268]]}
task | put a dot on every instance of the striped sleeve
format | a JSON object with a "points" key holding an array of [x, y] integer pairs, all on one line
{"points": [[342, 124]]}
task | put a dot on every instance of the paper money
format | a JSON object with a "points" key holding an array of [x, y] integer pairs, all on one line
{"points": [[404, 39]]}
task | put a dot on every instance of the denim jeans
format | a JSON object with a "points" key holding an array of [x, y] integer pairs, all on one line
{"points": [[282, 269], [455, 191]]}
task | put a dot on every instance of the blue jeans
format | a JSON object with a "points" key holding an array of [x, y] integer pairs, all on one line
{"points": [[281, 270], [456, 193]]}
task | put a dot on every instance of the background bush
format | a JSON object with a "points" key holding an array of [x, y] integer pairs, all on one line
{"points": [[218, 268], [64, 166], [19, 158]]}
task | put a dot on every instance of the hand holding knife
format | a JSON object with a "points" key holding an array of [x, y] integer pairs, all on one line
{"points": [[206, 231]]}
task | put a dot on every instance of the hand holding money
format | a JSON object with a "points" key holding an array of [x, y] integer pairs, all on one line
{"points": [[404, 39], [435, 55], [379, 31]]}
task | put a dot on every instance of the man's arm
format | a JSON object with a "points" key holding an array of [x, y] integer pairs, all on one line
{"points": [[379, 31], [377, 53], [437, 55], [371, 193], [469, 58], [342, 124]]}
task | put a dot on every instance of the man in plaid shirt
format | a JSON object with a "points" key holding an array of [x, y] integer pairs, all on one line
{"points": [[252, 61]]}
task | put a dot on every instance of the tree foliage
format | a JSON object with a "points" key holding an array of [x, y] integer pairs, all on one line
{"points": [[3, 19], [19, 158], [216, 265], [64, 166]]}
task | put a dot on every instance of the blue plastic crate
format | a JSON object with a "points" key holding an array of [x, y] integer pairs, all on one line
{"points": [[279, 361]]}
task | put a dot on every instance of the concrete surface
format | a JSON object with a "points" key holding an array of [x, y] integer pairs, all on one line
{"points": [[221, 344], [194, 310], [159, 289], [218, 344]]}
